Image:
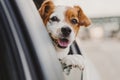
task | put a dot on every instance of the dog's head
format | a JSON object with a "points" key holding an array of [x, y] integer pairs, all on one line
{"points": [[62, 22]]}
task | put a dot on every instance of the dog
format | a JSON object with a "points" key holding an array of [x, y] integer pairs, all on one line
{"points": [[63, 24]]}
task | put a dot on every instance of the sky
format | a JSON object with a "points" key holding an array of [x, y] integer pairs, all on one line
{"points": [[95, 8]]}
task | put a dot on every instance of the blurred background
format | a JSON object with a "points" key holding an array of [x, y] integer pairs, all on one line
{"points": [[101, 40], [101, 43]]}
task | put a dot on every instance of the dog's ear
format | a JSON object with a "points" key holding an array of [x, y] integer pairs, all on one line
{"points": [[83, 19], [46, 9]]}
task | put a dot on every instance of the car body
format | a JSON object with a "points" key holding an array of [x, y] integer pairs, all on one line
{"points": [[25, 48]]}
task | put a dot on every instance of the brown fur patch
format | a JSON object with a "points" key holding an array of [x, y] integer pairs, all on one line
{"points": [[46, 10], [77, 14], [83, 19]]}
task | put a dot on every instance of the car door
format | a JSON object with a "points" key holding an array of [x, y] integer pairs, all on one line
{"points": [[26, 52]]}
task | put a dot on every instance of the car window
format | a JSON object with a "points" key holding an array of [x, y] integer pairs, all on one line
{"points": [[38, 3]]}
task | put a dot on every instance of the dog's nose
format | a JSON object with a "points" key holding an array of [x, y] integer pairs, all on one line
{"points": [[66, 31]]}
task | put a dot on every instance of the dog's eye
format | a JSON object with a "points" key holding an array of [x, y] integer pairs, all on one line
{"points": [[74, 21], [54, 18]]}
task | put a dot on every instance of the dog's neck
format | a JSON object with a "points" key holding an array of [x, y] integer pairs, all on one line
{"points": [[61, 53]]}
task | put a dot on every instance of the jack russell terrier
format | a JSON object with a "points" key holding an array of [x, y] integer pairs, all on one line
{"points": [[63, 24]]}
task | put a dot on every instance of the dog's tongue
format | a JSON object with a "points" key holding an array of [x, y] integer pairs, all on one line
{"points": [[63, 43]]}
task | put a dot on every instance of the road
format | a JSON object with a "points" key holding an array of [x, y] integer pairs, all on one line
{"points": [[105, 55]]}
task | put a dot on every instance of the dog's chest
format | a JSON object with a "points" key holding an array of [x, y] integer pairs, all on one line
{"points": [[62, 53]]}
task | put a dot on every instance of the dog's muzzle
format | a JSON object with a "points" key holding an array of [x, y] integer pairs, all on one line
{"points": [[63, 40]]}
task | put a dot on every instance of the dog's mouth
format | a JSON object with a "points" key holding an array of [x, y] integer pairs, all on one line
{"points": [[61, 42]]}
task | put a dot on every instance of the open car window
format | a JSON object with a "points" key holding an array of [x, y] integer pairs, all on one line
{"points": [[38, 3]]}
